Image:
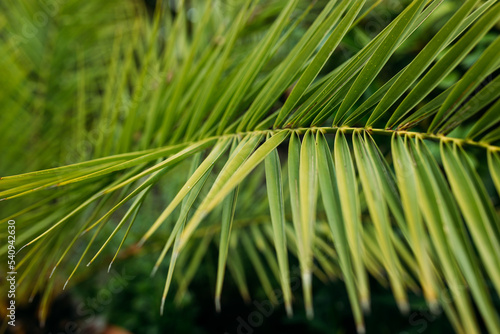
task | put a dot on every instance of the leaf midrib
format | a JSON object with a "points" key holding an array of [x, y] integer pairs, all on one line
{"points": [[377, 131]]}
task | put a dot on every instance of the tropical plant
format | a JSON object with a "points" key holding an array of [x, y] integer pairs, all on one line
{"points": [[263, 128]]}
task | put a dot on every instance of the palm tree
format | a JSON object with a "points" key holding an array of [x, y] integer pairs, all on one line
{"points": [[274, 130]]}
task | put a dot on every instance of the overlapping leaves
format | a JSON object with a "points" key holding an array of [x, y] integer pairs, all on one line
{"points": [[268, 181]]}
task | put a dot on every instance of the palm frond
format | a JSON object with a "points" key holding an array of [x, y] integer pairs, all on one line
{"points": [[258, 146]]}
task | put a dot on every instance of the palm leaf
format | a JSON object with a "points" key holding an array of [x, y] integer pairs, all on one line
{"points": [[151, 105]]}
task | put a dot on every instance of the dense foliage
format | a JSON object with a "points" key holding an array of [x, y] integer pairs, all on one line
{"points": [[356, 138]]}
